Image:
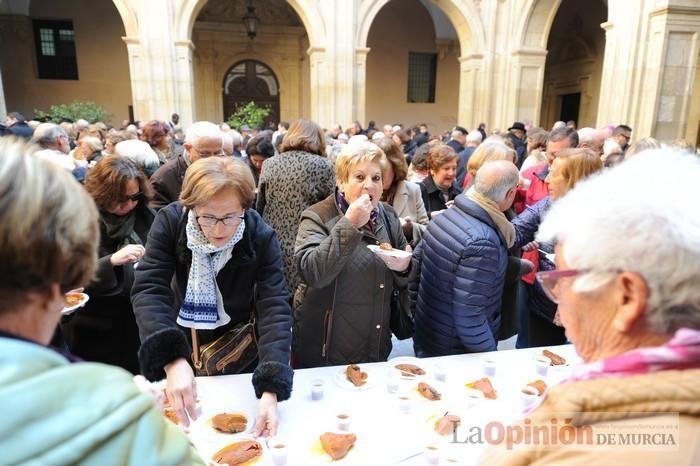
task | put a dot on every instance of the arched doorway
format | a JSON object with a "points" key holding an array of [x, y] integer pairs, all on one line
{"points": [[251, 80], [574, 63]]}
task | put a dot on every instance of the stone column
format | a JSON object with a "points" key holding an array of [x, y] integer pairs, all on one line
{"points": [[184, 99], [3, 106], [139, 86], [360, 84], [675, 38], [472, 97], [321, 87], [524, 95]]}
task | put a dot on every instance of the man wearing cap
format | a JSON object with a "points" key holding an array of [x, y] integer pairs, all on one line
{"points": [[517, 136]]}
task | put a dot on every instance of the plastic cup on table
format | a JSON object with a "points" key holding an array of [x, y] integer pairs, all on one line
{"points": [[542, 364], [440, 372], [431, 453], [489, 365], [279, 451], [393, 378], [317, 387], [404, 402], [529, 396], [343, 421]]}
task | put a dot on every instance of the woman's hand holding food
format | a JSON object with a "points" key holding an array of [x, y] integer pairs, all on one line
{"points": [[359, 211], [267, 420], [128, 255], [397, 264], [181, 389]]}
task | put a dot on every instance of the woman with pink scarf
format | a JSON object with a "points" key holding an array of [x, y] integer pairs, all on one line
{"points": [[627, 285]]}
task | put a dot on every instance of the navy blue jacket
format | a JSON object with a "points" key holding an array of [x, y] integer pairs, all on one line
{"points": [[457, 296], [253, 276], [526, 225]]}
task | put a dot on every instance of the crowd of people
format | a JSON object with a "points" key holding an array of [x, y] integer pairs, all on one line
{"points": [[255, 242]]}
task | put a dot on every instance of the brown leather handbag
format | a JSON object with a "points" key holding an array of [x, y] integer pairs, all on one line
{"points": [[234, 352]]}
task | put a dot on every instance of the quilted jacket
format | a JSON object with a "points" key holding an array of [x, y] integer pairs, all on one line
{"points": [[526, 225], [457, 295], [609, 402], [342, 306]]}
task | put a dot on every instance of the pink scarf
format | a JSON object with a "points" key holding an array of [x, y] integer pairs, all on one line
{"points": [[681, 352]]}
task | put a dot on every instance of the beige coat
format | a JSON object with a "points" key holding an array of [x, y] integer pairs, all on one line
{"points": [[608, 401], [409, 203]]}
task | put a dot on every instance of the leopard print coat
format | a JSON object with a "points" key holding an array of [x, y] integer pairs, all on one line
{"points": [[289, 184]]}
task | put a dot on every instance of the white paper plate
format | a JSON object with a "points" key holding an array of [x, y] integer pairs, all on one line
{"points": [[394, 252], [69, 310], [342, 381]]}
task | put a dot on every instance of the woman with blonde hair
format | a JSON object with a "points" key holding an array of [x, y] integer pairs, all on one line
{"points": [[342, 307], [213, 267], [488, 150], [87, 413], [299, 177], [569, 168], [403, 196]]}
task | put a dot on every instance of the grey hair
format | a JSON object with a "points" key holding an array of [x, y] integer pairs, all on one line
{"points": [[203, 129], [236, 138], [456, 134], [586, 136], [46, 134], [495, 178], [558, 124], [653, 232], [140, 152], [474, 136]]}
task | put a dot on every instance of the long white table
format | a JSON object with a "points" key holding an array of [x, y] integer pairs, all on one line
{"points": [[385, 434]]}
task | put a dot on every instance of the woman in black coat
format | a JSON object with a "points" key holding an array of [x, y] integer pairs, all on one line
{"points": [[105, 330], [438, 189], [213, 232]]}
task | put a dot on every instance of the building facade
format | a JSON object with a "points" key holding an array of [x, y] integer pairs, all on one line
{"points": [[440, 62]]}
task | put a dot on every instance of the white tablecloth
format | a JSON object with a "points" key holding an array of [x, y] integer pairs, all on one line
{"points": [[385, 435]]}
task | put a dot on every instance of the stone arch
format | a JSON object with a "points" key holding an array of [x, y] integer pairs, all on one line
{"points": [[307, 10], [463, 14], [129, 18], [534, 27]]}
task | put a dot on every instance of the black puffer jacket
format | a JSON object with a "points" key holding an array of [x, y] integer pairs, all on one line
{"points": [[255, 264], [342, 306]]}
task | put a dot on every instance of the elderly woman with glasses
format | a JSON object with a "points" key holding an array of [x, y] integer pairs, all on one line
{"points": [[58, 409], [539, 325], [342, 307], [212, 265], [105, 330], [626, 282]]}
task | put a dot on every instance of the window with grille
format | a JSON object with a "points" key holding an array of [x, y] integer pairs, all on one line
{"points": [[422, 68], [55, 49]]}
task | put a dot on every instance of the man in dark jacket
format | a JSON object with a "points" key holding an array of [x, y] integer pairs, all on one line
{"points": [[458, 138], [517, 137], [17, 126], [203, 139], [463, 257]]}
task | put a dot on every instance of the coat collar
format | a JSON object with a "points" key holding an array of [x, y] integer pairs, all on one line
{"points": [[473, 209], [431, 187]]}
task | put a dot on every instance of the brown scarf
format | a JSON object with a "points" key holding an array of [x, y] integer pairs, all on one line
{"points": [[504, 226]]}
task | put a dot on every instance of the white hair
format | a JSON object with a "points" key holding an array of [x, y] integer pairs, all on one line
{"points": [[558, 124], [396, 128], [358, 138], [46, 135], [587, 136], [456, 134], [140, 152], [236, 138], [616, 221], [474, 136], [377, 136], [203, 129], [82, 124]]}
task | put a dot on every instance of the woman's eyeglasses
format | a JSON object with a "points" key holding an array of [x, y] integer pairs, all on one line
{"points": [[550, 279], [131, 197], [208, 221]]}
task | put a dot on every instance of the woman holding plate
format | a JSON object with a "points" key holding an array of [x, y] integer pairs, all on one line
{"points": [[342, 307]]}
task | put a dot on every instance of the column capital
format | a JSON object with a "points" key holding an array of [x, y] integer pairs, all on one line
{"points": [[131, 40], [529, 52], [607, 26], [185, 44]]}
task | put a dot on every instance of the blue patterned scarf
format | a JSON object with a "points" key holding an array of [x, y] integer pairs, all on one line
{"points": [[203, 307]]}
